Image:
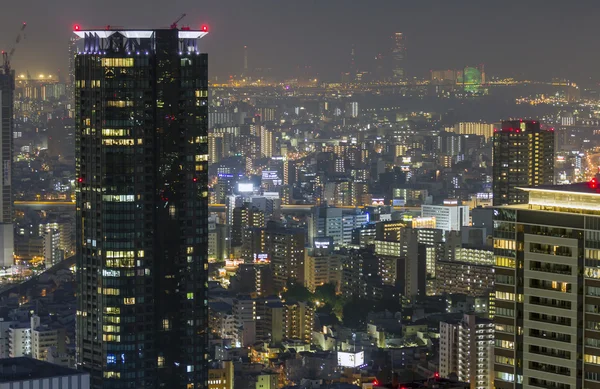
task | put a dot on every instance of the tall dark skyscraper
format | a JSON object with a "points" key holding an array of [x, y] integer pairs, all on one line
{"points": [[523, 157], [72, 54], [246, 61], [398, 57], [7, 89], [142, 209]]}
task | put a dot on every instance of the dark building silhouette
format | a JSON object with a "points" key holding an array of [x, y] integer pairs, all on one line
{"points": [[142, 210]]}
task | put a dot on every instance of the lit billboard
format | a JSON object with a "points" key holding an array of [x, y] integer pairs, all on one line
{"points": [[348, 359]]}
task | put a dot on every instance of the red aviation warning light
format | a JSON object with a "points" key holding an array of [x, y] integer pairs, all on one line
{"points": [[593, 183], [76, 27], [204, 28]]}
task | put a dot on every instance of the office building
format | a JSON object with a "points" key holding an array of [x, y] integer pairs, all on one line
{"points": [[334, 223], [267, 142], [244, 217], [523, 156], [548, 289], [474, 128], [467, 350], [470, 272], [283, 247], [321, 269], [142, 209], [7, 88], [448, 217], [398, 57], [351, 109], [45, 337], [221, 377], [26, 372], [267, 380]]}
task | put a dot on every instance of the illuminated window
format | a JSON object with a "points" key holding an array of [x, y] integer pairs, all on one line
{"points": [[119, 103], [118, 62], [129, 300], [111, 338], [190, 296], [595, 359], [112, 374], [505, 262], [166, 324], [112, 310], [112, 132], [161, 361], [118, 142], [111, 328]]}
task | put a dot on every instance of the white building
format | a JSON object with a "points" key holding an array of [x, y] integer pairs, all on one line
{"points": [[448, 217], [467, 349], [45, 337], [19, 341]]}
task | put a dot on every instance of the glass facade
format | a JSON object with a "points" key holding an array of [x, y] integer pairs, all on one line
{"points": [[142, 209]]}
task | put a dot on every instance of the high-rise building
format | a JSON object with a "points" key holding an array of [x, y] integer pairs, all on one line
{"points": [[7, 88], [245, 61], [547, 287], [142, 207], [71, 83], [267, 142], [398, 57], [448, 217], [284, 248], [523, 156], [467, 350]]}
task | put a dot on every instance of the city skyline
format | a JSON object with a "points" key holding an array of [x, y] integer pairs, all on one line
{"points": [[452, 36]]}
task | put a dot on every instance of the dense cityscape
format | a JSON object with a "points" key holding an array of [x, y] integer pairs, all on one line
{"points": [[165, 226]]}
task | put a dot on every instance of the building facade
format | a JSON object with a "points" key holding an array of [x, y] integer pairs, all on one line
{"points": [[142, 210], [548, 289], [523, 155], [467, 350], [448, 217], [7, 88]]}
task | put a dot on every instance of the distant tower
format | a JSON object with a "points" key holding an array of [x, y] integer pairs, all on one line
{"points": [[245, 60], [71, 84], [352, 61], [398, 57], [7, 88]]}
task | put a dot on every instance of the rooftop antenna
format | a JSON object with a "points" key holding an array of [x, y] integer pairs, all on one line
{"points": [[174, 25]]}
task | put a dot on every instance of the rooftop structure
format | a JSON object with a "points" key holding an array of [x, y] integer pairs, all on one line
{"points": [[30, 372]]}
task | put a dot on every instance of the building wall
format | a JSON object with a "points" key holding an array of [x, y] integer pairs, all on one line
{"points": [[81, 381]]}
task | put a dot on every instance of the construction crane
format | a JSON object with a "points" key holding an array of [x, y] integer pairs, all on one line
{"points": [[174, 25], [7, 56]]}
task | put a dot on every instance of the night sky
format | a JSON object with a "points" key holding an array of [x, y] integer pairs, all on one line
{"points": [[528, 38]]}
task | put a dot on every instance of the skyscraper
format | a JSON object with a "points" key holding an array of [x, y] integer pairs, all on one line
{"points": [[71, 84], [398, 56], [547, 303], [246, 61], [142, 209], [7, 88], [523, 156]]}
